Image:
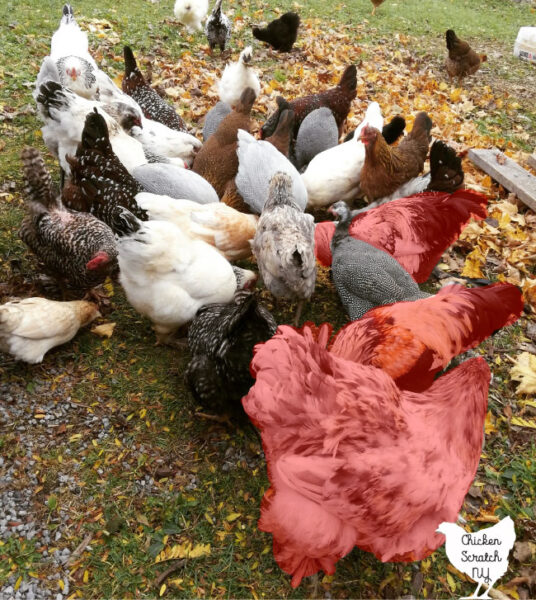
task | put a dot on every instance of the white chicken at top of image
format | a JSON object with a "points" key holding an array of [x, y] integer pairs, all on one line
{"points": [[237, 77], [482, 555], [191, 13]]}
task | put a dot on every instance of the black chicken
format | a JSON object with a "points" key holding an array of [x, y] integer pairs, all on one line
{"points": [[281, 33], [221, 340]]}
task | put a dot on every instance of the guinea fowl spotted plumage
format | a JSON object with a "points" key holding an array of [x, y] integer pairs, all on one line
{"points": [[218, 28], [99, 183], [75, 248], [221, 340], [280, 33], [284, 244], [365, 276], [152, 105]]}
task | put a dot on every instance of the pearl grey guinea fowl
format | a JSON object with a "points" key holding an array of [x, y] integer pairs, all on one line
{"points": [[365, 276], [284, 244], [75, 248], [214, 117], [221, 340], [317, 132]]}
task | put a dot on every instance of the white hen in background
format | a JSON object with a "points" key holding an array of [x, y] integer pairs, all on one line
{"points": [[167, 277], [30, 328], [237, 77], [191, 13]]}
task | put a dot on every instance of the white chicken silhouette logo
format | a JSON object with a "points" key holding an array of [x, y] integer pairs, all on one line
{"points": [[482, 555]]}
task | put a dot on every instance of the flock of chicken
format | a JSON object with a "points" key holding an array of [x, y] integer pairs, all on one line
{"points": [[144, 196]]}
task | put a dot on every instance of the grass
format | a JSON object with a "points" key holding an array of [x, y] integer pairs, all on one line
{"points": [[215, 476]]}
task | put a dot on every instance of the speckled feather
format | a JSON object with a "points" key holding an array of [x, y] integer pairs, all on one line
{"points": [[151, 104], [64, 241], [221, 340], [218, 28]]}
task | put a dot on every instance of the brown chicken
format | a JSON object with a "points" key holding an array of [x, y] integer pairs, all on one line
{"points": [[337, 99], [281, 140], [387, 168], [217, 161], [462, 59], [375, 4]]}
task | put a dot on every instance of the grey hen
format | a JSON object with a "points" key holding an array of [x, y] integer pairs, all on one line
{"points": [[75, 248], [221, 340], [218, 28], [284, 244], [214, 117], [365, 276], [318, 132]]}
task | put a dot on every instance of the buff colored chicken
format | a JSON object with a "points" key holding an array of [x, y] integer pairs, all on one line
{"points": [[30, 328], [217, 224]]}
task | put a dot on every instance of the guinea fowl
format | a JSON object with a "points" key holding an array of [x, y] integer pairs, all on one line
{"points": [[365, 276], [337, 99], [335, 174], [29, 328], [280, 33], [174, 181], [64, 114], [317, 133], [151, 104], [99, 183], [168, 277], [218, 28], [75, 248], [413, 341], [217, 161], [284, 245], [355, 461], [415, 230], [387, 168], [258, 161], [221, 340], [238, 77], [214, 117]]}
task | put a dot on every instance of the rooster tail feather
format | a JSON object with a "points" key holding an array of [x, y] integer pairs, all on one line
{"points": [[40, 192], [394, 129], [349, 78], [52, 95], [68, 14], [217, 8], [446, 172], [95, 132], [423, 121], [451, 38], [260, 34], [130, 62]]}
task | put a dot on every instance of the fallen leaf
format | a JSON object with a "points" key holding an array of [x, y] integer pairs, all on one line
{"points": [[104, 330], [524, 371]]}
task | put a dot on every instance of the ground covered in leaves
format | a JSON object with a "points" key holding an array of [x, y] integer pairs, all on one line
{"points": [[109, 474]]}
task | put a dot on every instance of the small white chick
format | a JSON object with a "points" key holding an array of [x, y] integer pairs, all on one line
{"points": [[237, 77], [30, 328]]}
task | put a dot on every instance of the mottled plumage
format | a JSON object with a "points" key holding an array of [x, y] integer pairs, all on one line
{"points": [[365, 276], [221, 340], [76, 248], [100, 184], [151, 104], [218, 28]]}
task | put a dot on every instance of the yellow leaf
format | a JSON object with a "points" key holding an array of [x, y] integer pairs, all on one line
{"points": [[489, 423], [473, 264], [18, 582], [443, 86], [524, 371], [162, 589], [209, 518], [232, 517], [85, 579], [143, 412], [451, 582], [104, 330], [61, 584], [199, 550], [523, 422], [455, 95]]}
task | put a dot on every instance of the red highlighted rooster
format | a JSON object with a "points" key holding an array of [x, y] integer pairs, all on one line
{"points": [[355, 460], [415, 230]]}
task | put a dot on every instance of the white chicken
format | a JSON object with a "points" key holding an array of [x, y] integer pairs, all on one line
{"points": [[30, 328], [168, 277], [64, 115], [333, 175], [258, 162], [237, 77], [217, 224], [163, 144], [191, 13]]}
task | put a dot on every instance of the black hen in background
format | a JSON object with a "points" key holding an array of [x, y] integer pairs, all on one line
{"points": [[391, 131], [221, 340], [281, 33]]}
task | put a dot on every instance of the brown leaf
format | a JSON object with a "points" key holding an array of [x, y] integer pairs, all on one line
{"points": [[524, 551]]}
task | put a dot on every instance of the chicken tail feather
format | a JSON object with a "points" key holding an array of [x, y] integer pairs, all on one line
{"points": [[38, 186]]}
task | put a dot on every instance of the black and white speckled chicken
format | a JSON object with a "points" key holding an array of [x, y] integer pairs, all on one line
{"points": [[218, 28], [151, 104], [99, 183], [75, 248], [221, 340], [365, 276]]}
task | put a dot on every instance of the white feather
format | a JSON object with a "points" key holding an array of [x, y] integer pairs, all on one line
{"points": [[191, 13], [237, 77]]}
